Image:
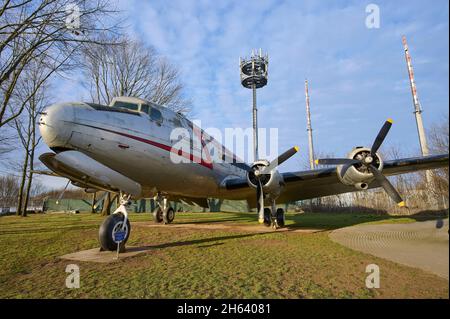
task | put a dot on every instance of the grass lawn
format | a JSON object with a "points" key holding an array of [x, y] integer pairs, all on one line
{"points": [[202, 263]]}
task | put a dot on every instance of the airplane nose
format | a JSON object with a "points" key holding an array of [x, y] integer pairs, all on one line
{"points": [[55, 124]]}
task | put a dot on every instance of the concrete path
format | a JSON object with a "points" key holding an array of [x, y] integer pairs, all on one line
{"points": [[419, 244], [97, 256]]}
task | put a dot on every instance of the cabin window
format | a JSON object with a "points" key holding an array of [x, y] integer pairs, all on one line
{"points": [[145, 108], [156, 115], [176, 122], [125, 105]]}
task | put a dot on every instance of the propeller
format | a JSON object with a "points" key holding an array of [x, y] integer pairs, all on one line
{"points": [[367, 161], [260, 172], [280, 160]]}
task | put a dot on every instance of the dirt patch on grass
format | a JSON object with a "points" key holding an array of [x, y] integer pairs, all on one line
{"points": [[227, 227]]}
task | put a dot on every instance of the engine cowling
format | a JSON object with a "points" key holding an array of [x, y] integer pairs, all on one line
{"points": [[272, 182], [358, 175]]}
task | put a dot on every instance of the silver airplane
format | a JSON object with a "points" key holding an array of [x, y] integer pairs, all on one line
{"points": [[127, 148]]}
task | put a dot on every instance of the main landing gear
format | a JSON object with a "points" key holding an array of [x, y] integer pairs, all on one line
{"points": [[274, 217], [163, 213], [116, 227]]}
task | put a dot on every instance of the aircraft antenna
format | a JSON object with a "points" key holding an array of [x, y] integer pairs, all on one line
{"points": [[309, 128], [417, 106], [254, 76]]}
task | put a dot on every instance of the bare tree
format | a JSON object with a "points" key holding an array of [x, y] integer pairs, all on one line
{"points": [[50, 31], [9, 188], [6, 142], [130, 68], [34, 94], [439, 136]]}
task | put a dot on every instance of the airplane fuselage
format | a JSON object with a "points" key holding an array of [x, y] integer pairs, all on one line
{"points": [[141, 148]]}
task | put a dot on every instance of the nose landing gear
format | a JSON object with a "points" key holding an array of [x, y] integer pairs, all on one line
{"points": [[116, 227]]}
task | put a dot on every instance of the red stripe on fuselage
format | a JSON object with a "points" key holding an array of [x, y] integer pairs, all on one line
{"points": [[191, 157]]}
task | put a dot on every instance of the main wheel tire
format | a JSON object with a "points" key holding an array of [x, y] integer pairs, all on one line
{"points": [[109, 227], [280, 217], [158, 215], [169, 215], [267, 220]]}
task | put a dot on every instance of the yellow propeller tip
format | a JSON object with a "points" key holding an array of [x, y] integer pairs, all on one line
{"points": [[296, 148], [390, 121], [401, 204]]}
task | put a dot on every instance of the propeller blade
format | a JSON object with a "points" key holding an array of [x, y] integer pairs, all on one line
{"points": [[286, 155], [280, 159], [381, 136], [259, 199], [387, 186], [337, 161], [243, 166]]}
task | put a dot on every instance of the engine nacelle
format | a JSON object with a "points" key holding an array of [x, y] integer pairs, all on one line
{"points": [[358, 175], [272, 183]]}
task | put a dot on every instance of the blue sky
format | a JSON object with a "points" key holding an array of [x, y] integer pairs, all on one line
{"points": [[358, 76]]}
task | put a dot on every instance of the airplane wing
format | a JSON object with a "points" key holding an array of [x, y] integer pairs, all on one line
{"points": [[324, 182], [48, 173]]}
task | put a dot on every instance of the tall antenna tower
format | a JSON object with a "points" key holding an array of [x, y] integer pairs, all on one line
{"points": [[417, 108], [254, 76], [309, 128]]}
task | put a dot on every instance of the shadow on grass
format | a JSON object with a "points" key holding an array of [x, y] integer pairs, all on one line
{"points": [[27, 231], [208, 219], [429, 214], [333, 220], [219, 220], [209, 242], [320, 220]]}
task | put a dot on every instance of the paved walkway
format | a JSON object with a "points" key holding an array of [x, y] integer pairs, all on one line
{"points": [[419, 244]]}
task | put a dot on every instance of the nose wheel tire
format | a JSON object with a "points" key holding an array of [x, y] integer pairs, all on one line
{"points": [[110, 226], [168, 215], [158, 215], [280, 217]]}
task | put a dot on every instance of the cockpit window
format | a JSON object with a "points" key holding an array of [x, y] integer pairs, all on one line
{"points": [[125, 105], [145, 108], [105, 108], [156, 115]]}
